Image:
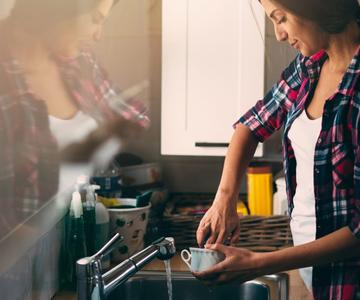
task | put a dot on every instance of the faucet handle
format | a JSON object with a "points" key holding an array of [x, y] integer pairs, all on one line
{"points": [[109, 246]]}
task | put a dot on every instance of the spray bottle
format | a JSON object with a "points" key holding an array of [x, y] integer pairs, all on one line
{"points": [[82, 182]]}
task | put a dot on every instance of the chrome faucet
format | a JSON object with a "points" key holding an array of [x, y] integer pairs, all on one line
{"points": [[92, 284]]}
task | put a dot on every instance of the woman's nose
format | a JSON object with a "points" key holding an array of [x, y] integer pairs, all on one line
{"points": [[280, 34]]}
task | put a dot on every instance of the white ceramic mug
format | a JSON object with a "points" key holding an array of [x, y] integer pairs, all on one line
{"points": [[200, 259]]}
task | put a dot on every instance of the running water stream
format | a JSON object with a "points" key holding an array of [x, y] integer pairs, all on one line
{"points": [[168, 278]]}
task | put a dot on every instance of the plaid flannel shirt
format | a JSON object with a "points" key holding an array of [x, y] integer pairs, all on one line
{"points": [[336, 159], [29, 161]]}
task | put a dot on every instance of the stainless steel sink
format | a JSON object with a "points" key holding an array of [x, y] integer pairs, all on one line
{"points": [[152, 286]]}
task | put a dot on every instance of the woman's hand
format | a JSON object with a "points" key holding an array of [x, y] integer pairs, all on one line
{"points": [[239, 264], [220, 222], [121, 128]]}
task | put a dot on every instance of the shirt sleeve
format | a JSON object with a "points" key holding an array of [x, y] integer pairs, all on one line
{"points": [[113, 102], [354, 221], [268, 114], [354, 224]]}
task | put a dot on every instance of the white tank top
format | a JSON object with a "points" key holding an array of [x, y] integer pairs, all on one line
{"points": [[303, 135], [67, 132], [71, 130]]}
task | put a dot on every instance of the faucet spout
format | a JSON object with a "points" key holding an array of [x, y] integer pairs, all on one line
{"points": [[164, 249], [91, 281]]}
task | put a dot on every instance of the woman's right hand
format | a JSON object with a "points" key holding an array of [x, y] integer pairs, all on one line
{"points": [[125, 130], [220, 222]]}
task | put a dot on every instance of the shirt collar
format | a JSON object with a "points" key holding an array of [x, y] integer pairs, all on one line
{"points": [[314, 63], [346, 86]]}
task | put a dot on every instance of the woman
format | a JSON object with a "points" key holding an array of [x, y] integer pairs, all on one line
{"points": [[317, 101], [53, 93]]}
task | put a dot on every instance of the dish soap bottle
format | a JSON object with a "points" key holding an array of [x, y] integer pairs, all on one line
{"points": [[102, 230], [82, 183], [76, 247]]}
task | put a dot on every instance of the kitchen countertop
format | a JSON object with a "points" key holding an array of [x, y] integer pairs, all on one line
{"points": [[297, 287]]}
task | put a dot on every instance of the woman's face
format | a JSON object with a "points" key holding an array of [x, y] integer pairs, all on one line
{"points": [[80, 32], [89, 26], [302, 34]]}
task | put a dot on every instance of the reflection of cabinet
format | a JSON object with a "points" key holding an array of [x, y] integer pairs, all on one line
{"points": [[213, 70]]}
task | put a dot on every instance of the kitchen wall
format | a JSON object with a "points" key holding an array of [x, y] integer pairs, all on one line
{"points": [[136, 49]]}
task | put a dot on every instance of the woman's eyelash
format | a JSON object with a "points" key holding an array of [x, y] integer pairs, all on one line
{"points": [[281, 20]]}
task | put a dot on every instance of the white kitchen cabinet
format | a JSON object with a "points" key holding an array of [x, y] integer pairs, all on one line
{"points": [[212, 72]]}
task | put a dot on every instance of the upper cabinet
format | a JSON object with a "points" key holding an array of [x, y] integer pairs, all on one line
{"points": [[212, 72]]}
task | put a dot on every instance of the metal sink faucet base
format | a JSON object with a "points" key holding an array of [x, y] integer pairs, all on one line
{"points": [[93, 284]]}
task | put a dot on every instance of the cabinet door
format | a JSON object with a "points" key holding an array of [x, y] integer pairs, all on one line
{"points": [[213, 71]]}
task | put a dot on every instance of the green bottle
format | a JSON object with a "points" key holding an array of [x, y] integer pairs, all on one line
{"points": [[90, 218], [75, 242]]}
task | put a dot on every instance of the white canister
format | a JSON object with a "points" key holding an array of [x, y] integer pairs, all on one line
{"points": [[280, 202], [102, 229], [131, 223]]}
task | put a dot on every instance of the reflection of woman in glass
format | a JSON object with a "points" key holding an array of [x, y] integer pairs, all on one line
{"points": [[52, 93]]}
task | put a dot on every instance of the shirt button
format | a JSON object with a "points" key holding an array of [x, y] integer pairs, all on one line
{"points": [[317, 171], [319, 141]]}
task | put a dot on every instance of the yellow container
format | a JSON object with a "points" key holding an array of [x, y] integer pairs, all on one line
{"points": [[260, 191], [241, 208]]}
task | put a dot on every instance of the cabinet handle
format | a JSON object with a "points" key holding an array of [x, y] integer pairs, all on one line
{"points": [[211, 145]]}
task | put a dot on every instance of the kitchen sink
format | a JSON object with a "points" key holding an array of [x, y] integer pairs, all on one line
{"points": [[153, 286]]}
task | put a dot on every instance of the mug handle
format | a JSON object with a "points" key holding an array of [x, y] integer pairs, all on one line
{"points": [[186, 257]]}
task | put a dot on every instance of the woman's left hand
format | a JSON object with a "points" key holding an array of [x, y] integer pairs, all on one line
{"points": [[239, 264]]}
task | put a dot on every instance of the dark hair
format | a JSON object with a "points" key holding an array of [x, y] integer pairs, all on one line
{"points": [[61, 8], [40, 13], [332, 16]]}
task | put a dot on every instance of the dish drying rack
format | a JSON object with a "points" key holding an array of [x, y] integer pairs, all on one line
{"points": [[183, 213]]}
